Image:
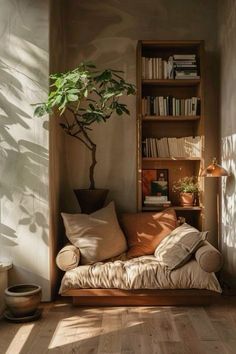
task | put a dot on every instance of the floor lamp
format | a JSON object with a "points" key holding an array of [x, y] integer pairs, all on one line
{"points": [[215, 170]]}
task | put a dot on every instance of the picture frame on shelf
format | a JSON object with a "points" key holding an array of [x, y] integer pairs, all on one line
{"points": [[155, 182]]}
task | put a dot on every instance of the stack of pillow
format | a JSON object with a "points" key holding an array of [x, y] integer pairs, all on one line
{"points": [[98, 237]]}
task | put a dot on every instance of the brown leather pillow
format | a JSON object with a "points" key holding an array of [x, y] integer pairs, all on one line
{"points": [[144, 231]]}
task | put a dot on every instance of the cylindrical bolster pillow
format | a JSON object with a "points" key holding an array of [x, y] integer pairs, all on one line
{"points": [[68, 258], [209, 258]]}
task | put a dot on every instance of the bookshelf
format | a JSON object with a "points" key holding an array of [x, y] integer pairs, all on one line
{"points": [[170, 122]]}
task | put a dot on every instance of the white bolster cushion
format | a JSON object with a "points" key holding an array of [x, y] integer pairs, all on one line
{"points": [[68, 258]]}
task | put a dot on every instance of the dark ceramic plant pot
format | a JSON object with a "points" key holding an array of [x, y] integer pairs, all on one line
{"points": [[91, 200], [23, 299]]}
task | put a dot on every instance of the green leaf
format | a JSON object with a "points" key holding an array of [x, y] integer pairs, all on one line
{"points": [[119, 111], [117, 71], [124, 109], [73, 90], [63, 104], [91, 106], [90, 65], [72, 98], [40, 111], [57, 100]]}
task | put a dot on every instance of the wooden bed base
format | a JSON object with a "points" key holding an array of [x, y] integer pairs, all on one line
{"points": [[117, 297]]}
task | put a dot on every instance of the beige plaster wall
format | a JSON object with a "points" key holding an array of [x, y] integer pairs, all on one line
{"points": [[24, 157], [106, 32], [227, 43]]}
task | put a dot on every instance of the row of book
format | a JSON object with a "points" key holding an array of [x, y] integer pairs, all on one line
{"points": [[178, 66], [170, 106], [185, 67], [156, 68], [188, 146], [159, 201]]}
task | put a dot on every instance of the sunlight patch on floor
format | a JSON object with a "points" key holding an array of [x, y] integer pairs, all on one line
{"points": [[20, 339], [76, 328]]}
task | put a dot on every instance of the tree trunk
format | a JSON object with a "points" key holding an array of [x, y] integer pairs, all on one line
{"points": [[92, 167]]}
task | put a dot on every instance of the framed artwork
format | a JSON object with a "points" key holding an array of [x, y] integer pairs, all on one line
{"points": [[155, 182]]}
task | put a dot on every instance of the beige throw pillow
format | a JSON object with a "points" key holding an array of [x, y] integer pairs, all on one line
{"points": [[176, 249], [98, 235]]}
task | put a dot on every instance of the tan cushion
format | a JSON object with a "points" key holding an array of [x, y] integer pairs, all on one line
{"points": [[98, 235], [209, 258], [144, 231], [68, 258], [176, 249]]}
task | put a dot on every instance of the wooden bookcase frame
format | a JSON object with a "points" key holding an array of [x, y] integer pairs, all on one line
{"points": [[158, 126]]}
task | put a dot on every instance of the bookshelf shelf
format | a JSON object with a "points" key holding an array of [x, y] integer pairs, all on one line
{"points": [[158, 63], [177, 208], [169, 118], [171, 159], [174, 82]]}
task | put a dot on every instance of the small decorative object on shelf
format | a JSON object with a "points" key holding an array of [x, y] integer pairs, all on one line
{"points": [[188, 190], [155, 188]]}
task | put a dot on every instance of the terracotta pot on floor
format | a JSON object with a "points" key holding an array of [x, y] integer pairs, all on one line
{"points": [[23, 299]]}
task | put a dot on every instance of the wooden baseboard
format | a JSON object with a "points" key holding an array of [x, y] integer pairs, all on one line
{"points": [[117, 297]]}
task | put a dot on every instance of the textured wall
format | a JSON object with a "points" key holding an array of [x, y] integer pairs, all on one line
{"points": [[106, 32], [24, 207], [227, 42]]}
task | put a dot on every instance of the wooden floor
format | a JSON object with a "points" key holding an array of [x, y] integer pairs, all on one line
{"points": [[126, 330]]}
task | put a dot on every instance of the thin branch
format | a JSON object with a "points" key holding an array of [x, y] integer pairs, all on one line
{"points": [[66, 121], [83, 141], [85, 133]]}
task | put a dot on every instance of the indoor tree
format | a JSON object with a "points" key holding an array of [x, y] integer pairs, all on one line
{"points": [[82, 97]]}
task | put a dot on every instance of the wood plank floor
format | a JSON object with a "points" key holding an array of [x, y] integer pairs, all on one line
{"points": [[124, 330]]}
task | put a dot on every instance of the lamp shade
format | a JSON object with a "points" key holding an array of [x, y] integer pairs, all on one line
{"points": [[214, 170]]}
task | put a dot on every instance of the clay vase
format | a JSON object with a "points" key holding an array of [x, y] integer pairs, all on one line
{"points": [[186, 199], [22, 300], [91, 200]]}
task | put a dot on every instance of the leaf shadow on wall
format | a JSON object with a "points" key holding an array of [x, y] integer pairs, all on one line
{"points": [[22, 162]]}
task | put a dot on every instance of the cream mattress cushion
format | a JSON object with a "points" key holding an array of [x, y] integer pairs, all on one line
{"points": [[139, 273]]}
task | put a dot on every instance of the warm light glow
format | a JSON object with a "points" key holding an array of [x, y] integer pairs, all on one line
{"points": [[20, 339], [214, 170]]}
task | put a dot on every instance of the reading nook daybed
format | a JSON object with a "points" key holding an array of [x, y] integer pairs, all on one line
{"points": [[157, 263]]}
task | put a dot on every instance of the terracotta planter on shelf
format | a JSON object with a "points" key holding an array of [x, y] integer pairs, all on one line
{"points": [[187, 199], [91, 200]]}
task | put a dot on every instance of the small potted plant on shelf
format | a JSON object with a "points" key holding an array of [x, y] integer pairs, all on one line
{"points": [[80, 98], [188, 190]]}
